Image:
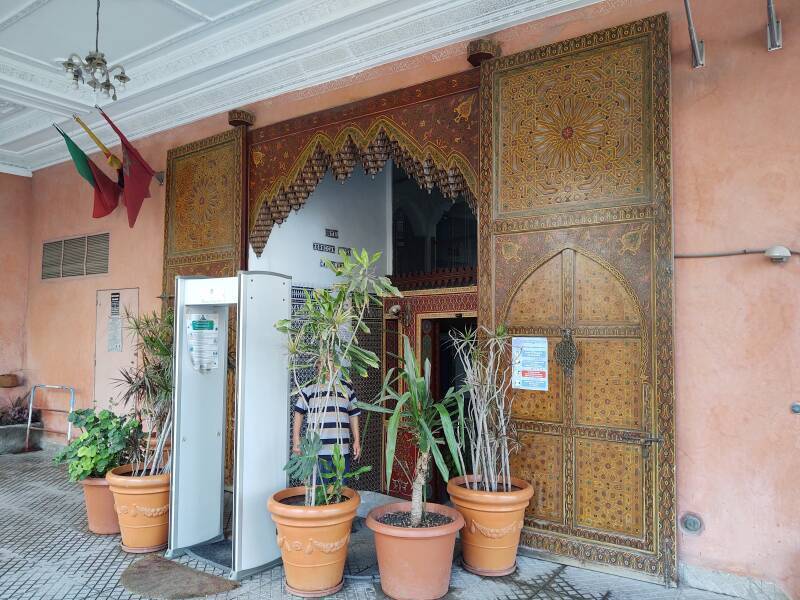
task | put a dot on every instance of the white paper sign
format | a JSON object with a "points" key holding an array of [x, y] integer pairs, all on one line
{"points": [[530, 363], [202, 335]]}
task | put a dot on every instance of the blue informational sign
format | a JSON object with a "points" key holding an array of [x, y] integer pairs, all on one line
{"points": [[530, 363]]}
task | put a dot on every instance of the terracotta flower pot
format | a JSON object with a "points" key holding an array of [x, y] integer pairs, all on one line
{"points": [[142, 504], [313, 541], [492, 525], [99, 506], [414, 562]]}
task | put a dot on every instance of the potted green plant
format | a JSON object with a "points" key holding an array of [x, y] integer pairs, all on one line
{"points": [[106, 442], [491, 501], [141, 488], [314, 519], [415, 540], [14, 424]]}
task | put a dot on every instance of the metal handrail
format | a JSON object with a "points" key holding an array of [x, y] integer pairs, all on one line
{"points": [[57, 410]]}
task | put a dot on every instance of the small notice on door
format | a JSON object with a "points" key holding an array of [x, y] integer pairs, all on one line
{"points": [[202, 334], [114, 327], [529, 355]]}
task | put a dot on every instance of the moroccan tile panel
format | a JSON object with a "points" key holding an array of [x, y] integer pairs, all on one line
{"points": [[609, 383], [608, 486], [542, 464], [600, 297]]}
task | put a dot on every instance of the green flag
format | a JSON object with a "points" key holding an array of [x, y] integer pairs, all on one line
{"points": [[106, 192], [78, 157]]}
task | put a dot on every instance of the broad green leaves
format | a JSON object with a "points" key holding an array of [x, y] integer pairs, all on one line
{"points": [[107, 441]]}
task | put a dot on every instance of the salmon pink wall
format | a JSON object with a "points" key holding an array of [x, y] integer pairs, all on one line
{"points": [[736, 170], [16, 202]]}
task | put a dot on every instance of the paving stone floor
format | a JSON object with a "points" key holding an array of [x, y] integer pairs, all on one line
{"points": [[47, 553]]}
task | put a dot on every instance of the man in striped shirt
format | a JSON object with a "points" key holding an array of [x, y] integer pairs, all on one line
{"points": [[338, 414]]}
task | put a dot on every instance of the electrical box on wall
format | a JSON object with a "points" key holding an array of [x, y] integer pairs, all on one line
{"points": [[114, 347]]}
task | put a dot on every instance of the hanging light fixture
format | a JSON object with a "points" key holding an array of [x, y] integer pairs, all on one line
{"points": [[94, 70]]}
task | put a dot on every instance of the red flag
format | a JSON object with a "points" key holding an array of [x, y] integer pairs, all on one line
{"points": [[106, 193], [137, 175]]}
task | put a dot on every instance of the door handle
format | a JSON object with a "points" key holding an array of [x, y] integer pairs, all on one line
{"points": [[647, 442], [566, 352]]}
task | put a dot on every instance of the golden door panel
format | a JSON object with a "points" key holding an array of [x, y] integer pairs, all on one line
{"points": [[542, 406], [575, 244], [542, 463], [608, 486], [608, 383], [539, 298], [600, 297], [573, 131]]}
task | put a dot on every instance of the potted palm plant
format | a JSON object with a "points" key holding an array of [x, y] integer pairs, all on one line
{"points": [[314, 519], [106, 442], [491, 501], [141, 488], [415, 540]]}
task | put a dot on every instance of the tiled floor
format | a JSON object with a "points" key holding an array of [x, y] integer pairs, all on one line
{"points": [[46, 553]]}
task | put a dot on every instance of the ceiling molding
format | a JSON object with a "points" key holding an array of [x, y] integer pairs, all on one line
{"points": [[304, 43]]}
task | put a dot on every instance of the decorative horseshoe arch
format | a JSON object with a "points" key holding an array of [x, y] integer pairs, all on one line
{"points": [[430, 131]]}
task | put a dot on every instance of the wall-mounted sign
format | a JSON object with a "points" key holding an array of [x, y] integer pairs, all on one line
{"points": [[529, 356], [324, 248], [324, 263], [203, 339], [332, 233], [114, 341], [345, 251]]}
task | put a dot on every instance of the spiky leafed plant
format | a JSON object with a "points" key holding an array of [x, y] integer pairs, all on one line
{"points": [[487, 362], [147, 387], [324, 338], [427, 421]]}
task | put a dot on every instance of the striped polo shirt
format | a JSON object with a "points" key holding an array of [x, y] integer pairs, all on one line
{"points": [[339, 407]]}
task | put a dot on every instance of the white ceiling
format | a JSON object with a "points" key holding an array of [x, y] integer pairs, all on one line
{"points": [[192, 58]]}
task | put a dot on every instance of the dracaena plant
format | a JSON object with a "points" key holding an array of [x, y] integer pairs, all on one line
{"points": [[147, 387], [487, 362], [428, 422], [323, 339]]}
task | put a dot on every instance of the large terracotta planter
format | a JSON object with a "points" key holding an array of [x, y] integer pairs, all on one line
{"points": [[492, 525], [99, 506], [313, 541], [142, 505], [414, 562]]}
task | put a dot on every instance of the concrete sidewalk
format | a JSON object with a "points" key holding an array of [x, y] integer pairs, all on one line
{"points": [[47, 553]]}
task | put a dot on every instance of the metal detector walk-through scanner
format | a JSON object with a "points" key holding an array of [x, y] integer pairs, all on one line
{"points": [[197, 493]]}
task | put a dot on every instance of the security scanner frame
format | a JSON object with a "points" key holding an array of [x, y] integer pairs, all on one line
{"points": [[197, 504]]}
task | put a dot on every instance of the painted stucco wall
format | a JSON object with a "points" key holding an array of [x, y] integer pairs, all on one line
{"points": [[736, 149], [16, 203]]}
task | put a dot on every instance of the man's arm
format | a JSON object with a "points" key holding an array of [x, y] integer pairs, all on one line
{"points": [[356, 432], [296, 428]]}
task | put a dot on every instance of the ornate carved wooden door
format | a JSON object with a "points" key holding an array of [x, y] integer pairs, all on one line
{"points": [[576, 245]]}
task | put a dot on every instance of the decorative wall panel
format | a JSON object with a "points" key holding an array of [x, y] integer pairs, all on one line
{"points": [[565, 148], [575, 244], [204, 225], [431, 130]]}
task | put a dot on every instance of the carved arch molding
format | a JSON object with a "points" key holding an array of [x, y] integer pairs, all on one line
{"points": [[431, 130]]}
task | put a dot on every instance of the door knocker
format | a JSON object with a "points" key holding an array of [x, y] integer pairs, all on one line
{"points": [[566, 352]]}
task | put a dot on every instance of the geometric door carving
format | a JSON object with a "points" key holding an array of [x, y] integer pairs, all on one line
{"points": [[205, 220], [575, 229]]}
